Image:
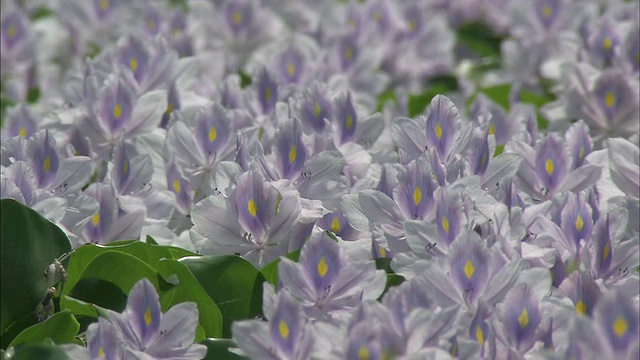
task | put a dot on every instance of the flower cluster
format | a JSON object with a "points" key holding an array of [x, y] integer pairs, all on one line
{"points": [[258, 128]]}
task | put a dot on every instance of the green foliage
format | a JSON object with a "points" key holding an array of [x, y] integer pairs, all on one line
{"points": [[480, 39], [218, 349], [61, 328], [232, 282], [417, 103], [270, 271], [29, 243], [30, 352]]}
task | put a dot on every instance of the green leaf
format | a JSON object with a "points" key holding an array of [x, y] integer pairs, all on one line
{"points": [[417, 103], [33, 95], [479, 38], [538, 101], [29, 244], [97, 292], [61, 328], [118, 268], [189, 289], [151, 240], [392, 280], [384, 264], [218, 349], [232, 282], [270, 271], [147, 253], [30, 352]]}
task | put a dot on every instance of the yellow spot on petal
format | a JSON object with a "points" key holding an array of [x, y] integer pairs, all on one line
{"points": [[411, 24], [47, 164], [383, 252], [348, 53], [492, 129], [12, 31], [176, 186], [95, 220], [445, 224], [267, 94], [213, 134], [417, 195], [620, 326], [169, 109], [523, 319], [151, 24], [546, 12], [610, 99], [581, 308], [252, 207], [23, 132], [438, 130], [484, 158], [335, 225], [104, 5], [377, 16], [579, 223], [284, 329], [236, 17], [316, 110], [479, 334], [101, 352], [363, 353], [607, 43], [292, 154], [133, 64], [469, 269], [322, 267], [454, 350], [125, 167], [117, 111], [349, 121], [548, 165], [147, 316], [606, 251], [291, 69], [582, 153]]}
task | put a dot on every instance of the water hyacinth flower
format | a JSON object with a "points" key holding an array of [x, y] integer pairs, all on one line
{"points": [[583, 291], [285, 336], [325, 282], [254, 220], [546, 170], [520, 315], [142, 331], [603, 42]]}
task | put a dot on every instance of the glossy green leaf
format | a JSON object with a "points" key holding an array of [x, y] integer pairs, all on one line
{"points": [[121, 269], [189, 289], [29, 244], [270, 271], [97, 292], [31, 352], [218, 349], [61, 328], [232, 282], [147, 253]]}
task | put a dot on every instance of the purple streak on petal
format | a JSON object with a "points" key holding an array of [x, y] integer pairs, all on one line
{"points": [[289, 150], [558, 271], [115, 103], [338, 224], [291, 65], [320, 259], [239, 16], [604, 41], [213, 129], [414, 192], [143, 312], [388, 180], [579, 143], [617, 316], [602, 245], [135, 57], [121, 166], [582, 289], [613, 95], [13, 28], [479, 153], [44, 158], [547, 11], [347, 52], [181, 187], [469, 266], [285, 325], [442, 125], [173, 103], [96, 229], [632, 49], [20, 122], [346, 117], [267, 91], [521, 315], [103, 339], [552, 163], [316, 107], [576, 219], [256, 204], [104, 8], [449, 215]]}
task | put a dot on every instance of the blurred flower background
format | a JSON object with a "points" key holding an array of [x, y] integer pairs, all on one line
{"points": [[460, 179]]}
